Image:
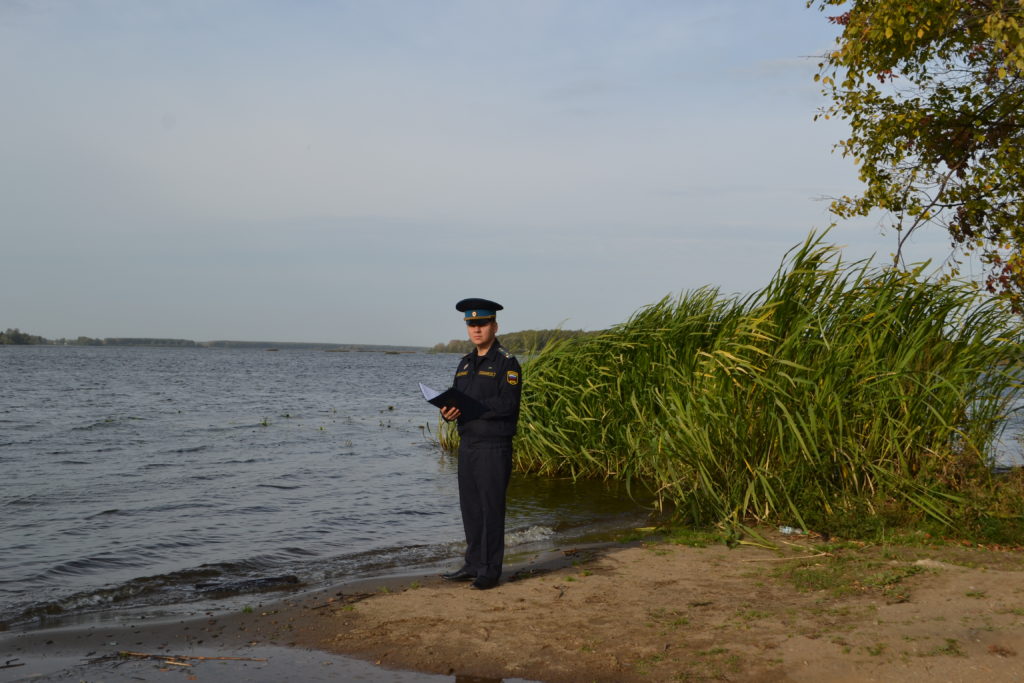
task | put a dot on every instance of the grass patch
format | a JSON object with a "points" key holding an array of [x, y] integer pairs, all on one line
{"points": [[634, 535], [718, 663], [950, 649], [890, 581], [842, 573], [694, 538], [1017, 611]]}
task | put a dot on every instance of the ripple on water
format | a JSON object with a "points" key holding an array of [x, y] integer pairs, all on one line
{"points": [[91, 565], [193, 449], [106, 513]]}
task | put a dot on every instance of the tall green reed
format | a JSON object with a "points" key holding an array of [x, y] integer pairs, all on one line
{"points": [[834, 389]]}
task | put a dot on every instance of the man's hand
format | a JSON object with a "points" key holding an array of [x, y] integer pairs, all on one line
{"points": [[450, 413]]}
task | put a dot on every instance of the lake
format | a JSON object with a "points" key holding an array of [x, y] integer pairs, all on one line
{"points": [[163, 478]]}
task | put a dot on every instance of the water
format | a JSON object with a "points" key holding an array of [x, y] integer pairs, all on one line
{"points": [[161, 476]]}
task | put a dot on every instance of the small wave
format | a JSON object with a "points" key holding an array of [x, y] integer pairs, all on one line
{"points": [[95, 425], [250, 510], [194, 449], [283, 487], [143, 590], [286, 568], [171, 545], [113, 511], [173, 507], [73, 462], [371, 562], [533, 534], [229, 428], [225, 588], [31, 499], [157, 465], [92, 565]]}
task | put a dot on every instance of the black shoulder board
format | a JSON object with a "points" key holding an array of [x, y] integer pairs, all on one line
{"points": [[503, 351]]}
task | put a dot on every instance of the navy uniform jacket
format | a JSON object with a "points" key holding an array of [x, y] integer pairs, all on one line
{"points": [[496, 381]]}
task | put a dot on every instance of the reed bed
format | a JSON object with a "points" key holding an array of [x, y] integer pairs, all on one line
{"points": [[839, 391]]}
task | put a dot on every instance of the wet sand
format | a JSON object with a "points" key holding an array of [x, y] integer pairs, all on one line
{"points": [[245, 645], [650, 612]]}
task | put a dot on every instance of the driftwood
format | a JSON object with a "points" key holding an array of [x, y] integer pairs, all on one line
{"points": [[147, 655], [9, 665], [174, 660]]}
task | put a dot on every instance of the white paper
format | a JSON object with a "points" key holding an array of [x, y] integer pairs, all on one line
{"points": [[429, 393]]}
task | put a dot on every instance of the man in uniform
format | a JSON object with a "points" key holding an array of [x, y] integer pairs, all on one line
{"points": [[491, 375]]}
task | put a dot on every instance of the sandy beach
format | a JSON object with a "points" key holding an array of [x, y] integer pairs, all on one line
{"points": [[648, 611]]}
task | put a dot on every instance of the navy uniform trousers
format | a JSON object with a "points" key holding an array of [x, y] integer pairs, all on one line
{"points": [[484, 471]]}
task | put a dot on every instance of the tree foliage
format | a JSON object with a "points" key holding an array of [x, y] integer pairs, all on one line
{"points": [[934, 95], [16, 336]]}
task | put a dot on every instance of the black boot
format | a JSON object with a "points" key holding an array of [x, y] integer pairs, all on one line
{"points": [[463, 574]]}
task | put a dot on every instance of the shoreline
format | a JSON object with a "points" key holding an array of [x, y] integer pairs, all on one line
{"points": [[231, 639], [646, 611]]}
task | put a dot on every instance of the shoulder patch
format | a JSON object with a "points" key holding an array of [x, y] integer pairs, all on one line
{"points": [[512, 377]]}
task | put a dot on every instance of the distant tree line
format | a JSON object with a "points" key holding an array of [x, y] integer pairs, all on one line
{"points": [[525, 342], [16, 336]]}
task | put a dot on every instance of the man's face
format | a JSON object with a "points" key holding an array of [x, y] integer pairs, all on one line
{"points": [[482, 335]]}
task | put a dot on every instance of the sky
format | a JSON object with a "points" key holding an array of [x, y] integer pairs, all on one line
{"points": [[345, 171]]}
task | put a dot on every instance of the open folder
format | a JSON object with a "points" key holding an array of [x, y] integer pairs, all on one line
{"points": [[470, 407]]}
